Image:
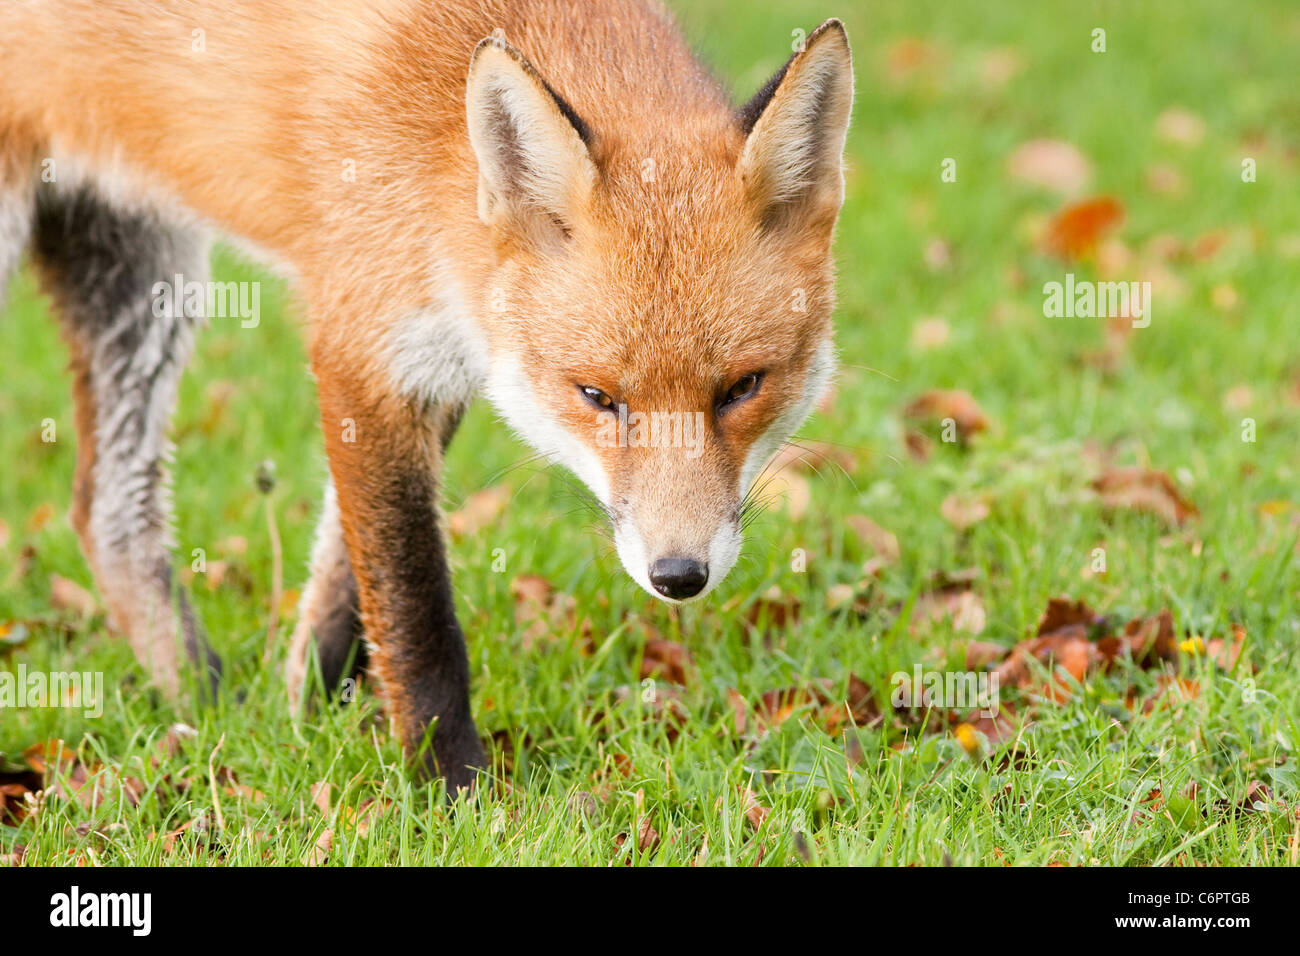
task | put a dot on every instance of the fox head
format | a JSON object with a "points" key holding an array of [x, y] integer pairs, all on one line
{"points": [[659, 313]]}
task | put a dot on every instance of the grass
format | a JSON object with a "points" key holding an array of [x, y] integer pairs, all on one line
{"points": [[588, 764]]}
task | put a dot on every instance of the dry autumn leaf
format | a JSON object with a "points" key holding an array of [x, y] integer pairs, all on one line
{"points": [[956, 602], [666, 660], [773, 611], [1144, 489], [1181, 126], [754, 810], [809, 456], [930, 334], [1076, 230], [1050, 164], [964, 511], [68, 595], [40, 517], [883, 543], [943, 405], [791, 489], [480, 510]]}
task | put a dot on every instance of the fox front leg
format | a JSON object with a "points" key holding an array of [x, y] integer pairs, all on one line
{"points": [[385, 457]]}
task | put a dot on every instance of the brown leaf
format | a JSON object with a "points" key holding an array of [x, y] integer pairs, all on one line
{"points": [[998, 727], [667, 660], [1075, 231], [1144, 489], [1062, 614], [777, 609], [40, 756], [532, 594], [883, 542], [930, 333], [1171, 692], [775, 707], [545, 611], [979, 654], [939, 405], [793, 491], [480, 510], [818, 697], [1065, 650], [909, 58], [1152, 639], [321, 792], [812, 457], [858, 708], [963, 511], [919, 446], [739, 710], [754, 810], [955, 602], [1050, 164], [647, 840], [1226, 652], [68, 595], [1180, 126], [40, 517], [319, 853]]}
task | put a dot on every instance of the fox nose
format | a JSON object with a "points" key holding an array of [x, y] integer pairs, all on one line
{"points": [[679, 578]]}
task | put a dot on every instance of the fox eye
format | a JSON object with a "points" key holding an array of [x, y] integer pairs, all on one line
{"points": [[744, 387], [597, 397]]}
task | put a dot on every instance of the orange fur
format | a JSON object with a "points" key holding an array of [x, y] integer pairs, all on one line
{"points": [[664, 253]]}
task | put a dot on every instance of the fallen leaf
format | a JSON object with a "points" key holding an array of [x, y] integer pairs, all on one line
{"points": [[883, 543], [647, 837], [930, 334], [963, 511], [321, 792], [979, 654], [1075, 231], [532, 594], [1181, 126], [1051, 164], [911, 57], [1152, 639], [68, 595], [320, 852], [480, 510], [810, 457], [940, 406], [753, 809], [667, 660], [958, 603], [1144, 489], [998, 67], [40, 517], [1225, 653], [1063, 614], [792, 489], [775, 609]]}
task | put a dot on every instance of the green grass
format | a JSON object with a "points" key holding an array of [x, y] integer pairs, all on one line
{"points": [[562, 729]]}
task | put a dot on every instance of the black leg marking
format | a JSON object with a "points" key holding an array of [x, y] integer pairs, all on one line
{"points": [[101, 263]]}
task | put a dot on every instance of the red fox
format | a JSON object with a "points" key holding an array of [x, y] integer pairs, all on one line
{"points": [[547, 202]]}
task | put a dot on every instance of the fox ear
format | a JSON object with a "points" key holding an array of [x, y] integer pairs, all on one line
{"points": [[535, 171], [796, 124]]}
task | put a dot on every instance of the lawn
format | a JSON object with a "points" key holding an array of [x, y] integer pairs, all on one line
{"points": [[758, 727]]}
